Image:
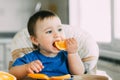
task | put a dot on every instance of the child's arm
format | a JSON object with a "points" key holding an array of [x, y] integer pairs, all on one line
{"points": [[22, 71], [74, 61], [18, 71]]}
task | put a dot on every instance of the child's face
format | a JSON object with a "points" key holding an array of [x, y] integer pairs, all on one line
{"points": [[48, 31]]}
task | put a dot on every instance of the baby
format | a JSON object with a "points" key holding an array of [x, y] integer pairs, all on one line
{"points": [[45, 28]]}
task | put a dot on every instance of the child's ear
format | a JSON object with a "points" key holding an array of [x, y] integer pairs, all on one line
{"points": [[34, 40]]}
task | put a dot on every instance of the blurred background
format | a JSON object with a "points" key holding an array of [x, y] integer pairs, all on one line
{"points": [[101, 18]]}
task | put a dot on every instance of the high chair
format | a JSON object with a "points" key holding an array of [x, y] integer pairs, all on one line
{"points": [[88, 48]]}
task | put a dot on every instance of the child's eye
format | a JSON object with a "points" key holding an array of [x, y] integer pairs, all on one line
{"points": [[48, 32], [60, 29]]}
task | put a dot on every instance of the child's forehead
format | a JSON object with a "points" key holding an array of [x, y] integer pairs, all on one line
{"points": [[46, 27]]}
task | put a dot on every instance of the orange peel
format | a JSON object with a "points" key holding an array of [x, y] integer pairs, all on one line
{"points": [[6, 76]]}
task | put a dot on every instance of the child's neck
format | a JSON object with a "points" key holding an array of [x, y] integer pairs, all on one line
{"points": [[48, 54]]}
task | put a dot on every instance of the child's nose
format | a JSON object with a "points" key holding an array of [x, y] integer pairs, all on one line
{"points": [[56, 35]]}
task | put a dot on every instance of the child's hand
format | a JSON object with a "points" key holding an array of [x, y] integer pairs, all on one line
{"points": [[71, 45], [34, 66]]}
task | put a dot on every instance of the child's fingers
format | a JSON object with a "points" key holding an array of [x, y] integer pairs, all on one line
{"points": [[31, 67], [39, 63], [71, 41], [28, 68], [30, 71], [71, 45], [37, 66]]}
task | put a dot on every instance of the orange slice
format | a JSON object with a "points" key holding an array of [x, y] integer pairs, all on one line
{"points": [[39, 76], [60, 45], [64, 77], [45, 77], [6, 76]]}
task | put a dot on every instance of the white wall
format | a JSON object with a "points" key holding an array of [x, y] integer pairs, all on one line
{"points": [[14, 14]]}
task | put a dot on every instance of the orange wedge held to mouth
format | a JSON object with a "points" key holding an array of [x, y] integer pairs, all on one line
{"points": [[61, 45], [6, 76]]}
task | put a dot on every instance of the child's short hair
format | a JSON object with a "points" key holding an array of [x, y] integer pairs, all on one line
{"points": [[33, 19]]}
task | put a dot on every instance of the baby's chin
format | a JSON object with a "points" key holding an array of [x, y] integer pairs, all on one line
{"points": [[56, 51], [53, 54]]}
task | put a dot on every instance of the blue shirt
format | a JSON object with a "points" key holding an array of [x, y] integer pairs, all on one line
{"points": [[53, 66]]}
